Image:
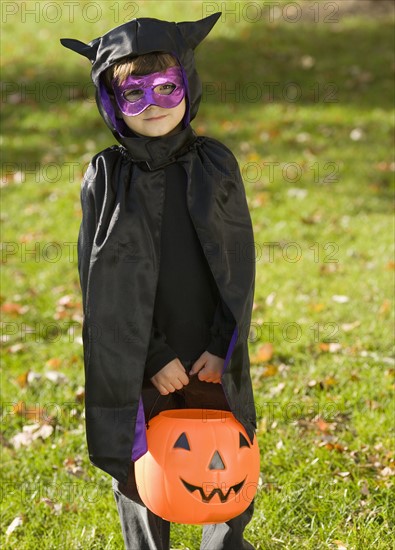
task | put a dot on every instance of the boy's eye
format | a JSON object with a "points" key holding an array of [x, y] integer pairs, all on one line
{"points": [[133, 95], [161, 89], [164, 89]]}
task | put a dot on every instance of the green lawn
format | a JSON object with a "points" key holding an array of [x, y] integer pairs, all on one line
{"points": [[307, 108]]}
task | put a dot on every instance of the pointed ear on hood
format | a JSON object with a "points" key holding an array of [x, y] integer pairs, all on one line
{"points": [[87, 50], [194, 32]]}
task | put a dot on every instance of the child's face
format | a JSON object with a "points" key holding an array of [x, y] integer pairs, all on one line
{"points": [[152, 105]]}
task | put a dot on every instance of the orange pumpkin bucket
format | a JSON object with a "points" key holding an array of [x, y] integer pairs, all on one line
{"points": [[200, 467]]}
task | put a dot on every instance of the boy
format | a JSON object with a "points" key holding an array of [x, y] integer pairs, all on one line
{"points": [[166, 263]]}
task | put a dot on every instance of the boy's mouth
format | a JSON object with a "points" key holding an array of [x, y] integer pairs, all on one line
{"points": [[156, 117]]}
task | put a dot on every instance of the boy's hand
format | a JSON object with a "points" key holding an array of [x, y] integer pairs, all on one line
{"points": [[209, 367], [170, 378]]}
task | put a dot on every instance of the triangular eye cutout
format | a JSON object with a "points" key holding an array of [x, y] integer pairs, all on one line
{"points": [[242, 441], [182, 442]]}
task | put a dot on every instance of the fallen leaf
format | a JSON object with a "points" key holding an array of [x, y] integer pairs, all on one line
{"points": [[346, 327], [270, 370], [386, 472], [330, 381], [386, 166], [54, 362], [34, 412], [260, 199], [297, 193], [372, 404], [56, 507], [16, 522], [16, 348], [30, 433], [264, 353], [270, 299], [277, 389], [323, 426], [67, 307], [365, 488], [14, 309], [317, 307], [29, 237], [311, 220], [33, 377], [356, 134], [385, 307], [330, 268], [73, 466], [61, 314], [22, 379], [307, 61], [340, 299], [80, 394], [330, 446], [331, 347], [56, 377]]}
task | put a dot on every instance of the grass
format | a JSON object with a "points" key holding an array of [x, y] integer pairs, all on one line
{"points": [[318, 173]]}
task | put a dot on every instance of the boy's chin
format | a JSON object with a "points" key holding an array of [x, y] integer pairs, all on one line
{"points": [[158, 134]]}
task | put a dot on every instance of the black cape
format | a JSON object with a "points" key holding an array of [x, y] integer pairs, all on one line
{"points": [[122, 197]]}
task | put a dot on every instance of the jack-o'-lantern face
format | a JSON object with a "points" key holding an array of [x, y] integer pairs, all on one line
{"points": [[200, 468], [209, 489]]}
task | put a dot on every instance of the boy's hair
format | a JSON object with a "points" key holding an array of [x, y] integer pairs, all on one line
{"points": [[140, 65]]}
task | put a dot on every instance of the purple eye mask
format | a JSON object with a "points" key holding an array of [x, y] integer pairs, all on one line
{"points": [[165, 89]]}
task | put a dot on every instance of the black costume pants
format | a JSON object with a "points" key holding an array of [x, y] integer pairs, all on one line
{"points": [[142, 529]]}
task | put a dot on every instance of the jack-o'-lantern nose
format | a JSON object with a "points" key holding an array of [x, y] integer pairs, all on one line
{"points": [[216, 462]]}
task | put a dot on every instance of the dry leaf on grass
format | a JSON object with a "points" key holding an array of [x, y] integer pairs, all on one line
{"points": [[30, 433], [331, 347], [56, 377], [340, 299], [276, 390], [56, 507], [73, 466], [264, 353], [16, 522], [13, 308], [53, 362]]}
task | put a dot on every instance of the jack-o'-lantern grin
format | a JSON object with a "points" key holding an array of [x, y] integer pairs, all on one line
{"points": [[206, 498]]}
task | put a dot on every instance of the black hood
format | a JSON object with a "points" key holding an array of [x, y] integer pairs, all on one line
{"points": [[137, 37]]}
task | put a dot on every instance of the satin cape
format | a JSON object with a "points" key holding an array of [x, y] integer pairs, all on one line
{"points": [[122, 198]]}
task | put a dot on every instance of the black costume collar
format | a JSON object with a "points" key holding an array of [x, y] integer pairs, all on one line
{"points": [[157, 152]]}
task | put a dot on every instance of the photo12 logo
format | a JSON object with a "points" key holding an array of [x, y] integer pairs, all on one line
{"points": [[272, 11], [269, 92], [67, 12]]}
